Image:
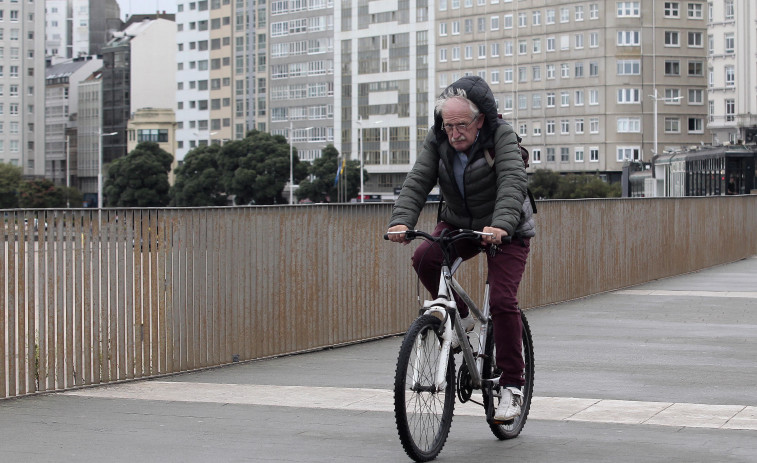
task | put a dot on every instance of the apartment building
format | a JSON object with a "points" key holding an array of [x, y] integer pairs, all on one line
{"points": [[61, 113], [384, 93], [79, 27], [22, 84], [88, 136], [732, 71], [588, 85], [211, 72], [301, 74]]}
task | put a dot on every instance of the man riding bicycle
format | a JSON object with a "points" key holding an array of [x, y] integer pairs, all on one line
{"points": [[479, 196]]}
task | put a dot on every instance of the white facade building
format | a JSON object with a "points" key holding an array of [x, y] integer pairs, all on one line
{"points": [[22, 85], [384, 91], [61, 108], [732, 71]]}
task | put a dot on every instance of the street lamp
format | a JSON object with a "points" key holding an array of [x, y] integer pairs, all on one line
{"points": [[100, 169], [68, 177], [656, 99], [360, 140], [291, 162]]}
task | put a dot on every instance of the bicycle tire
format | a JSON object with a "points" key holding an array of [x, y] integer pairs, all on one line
{"points": [[512, 429], [423, 415]]}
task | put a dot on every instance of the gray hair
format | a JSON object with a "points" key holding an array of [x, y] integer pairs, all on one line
{"points": [[454, 93]]}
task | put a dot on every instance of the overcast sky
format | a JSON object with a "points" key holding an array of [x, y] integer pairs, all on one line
{"points": [[129, 7]]}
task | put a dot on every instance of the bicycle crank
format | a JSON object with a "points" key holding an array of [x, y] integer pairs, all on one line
{"points": [[464, 384]]}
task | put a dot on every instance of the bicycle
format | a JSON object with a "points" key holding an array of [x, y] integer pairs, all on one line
{"points": [[425, 379]]}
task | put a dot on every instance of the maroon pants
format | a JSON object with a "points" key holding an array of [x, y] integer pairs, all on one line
{"points": [[505, 272]]}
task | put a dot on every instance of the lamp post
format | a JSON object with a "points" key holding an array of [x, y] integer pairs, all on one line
{"points": [[656, 98], [68, 177], [100, 170], [291, 161]]}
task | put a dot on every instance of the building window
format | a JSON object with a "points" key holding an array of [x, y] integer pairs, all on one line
{"points": [[696, 68], [629, 96], [695, 11], [672, 9], [629, 9], [730, 43], [696, 125], [696, 39], [672, 39], [579, 155], [729, 10], [594, 154], [730, 76], [629, 125], [672, 68], [696, 96], [628, 39], [672, 125], [730, 110], [628, 153]]}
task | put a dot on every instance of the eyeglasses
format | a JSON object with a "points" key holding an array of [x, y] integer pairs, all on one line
{"points": [[460, 126]]}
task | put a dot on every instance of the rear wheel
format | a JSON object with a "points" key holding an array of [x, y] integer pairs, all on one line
{"points": [[512, 428], [422, 410]]}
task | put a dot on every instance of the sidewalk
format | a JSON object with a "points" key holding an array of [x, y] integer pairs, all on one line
{"points": [[662, 372]]}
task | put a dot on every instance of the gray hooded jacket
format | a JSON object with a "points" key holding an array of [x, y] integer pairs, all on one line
{"points": [[494, 196]]}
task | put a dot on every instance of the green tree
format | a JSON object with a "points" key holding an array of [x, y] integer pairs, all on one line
{"points": [[544, 183], [41, 193], [140, 179], [72, 196], [199, 179], [10, 181], [322, 185], [256, 169]]}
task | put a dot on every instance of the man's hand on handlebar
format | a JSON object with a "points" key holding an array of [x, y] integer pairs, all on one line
{"points": [[496, 237], [393, 235]]}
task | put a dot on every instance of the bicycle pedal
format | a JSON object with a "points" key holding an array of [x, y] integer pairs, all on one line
{"points": [[503, 423]]}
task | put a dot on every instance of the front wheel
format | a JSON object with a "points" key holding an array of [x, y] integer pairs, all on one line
{"points": [[510, 429], [422, 410]]}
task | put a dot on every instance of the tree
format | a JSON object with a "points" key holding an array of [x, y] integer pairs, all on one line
{"points": [[10, 180], [546, 184], [256, 169], [140, 179], [322, 185], [199, 179], [40, 193]]}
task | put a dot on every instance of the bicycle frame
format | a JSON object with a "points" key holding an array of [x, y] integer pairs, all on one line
{"points": [[446, 306]]}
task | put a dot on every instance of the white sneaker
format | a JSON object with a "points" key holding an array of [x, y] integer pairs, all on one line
{"points": [[468, 324], [509, 406]]}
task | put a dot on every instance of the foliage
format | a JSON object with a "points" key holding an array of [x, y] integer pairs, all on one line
{"points": [[10, 180], [199, 179], [546, 184], [72, 196], [140, 179], [321, 186], [256, 169], [41, 193]]}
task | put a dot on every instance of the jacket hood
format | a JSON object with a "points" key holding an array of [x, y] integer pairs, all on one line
{"points": [[478, 91]]}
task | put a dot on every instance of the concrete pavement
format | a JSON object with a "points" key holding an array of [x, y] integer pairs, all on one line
{"points": [[662, 372]]}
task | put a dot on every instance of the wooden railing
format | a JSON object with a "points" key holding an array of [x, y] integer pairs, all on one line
{"points": [[136, 293]]}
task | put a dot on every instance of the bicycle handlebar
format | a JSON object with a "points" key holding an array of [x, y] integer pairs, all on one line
{"points": [[454, 235]]}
